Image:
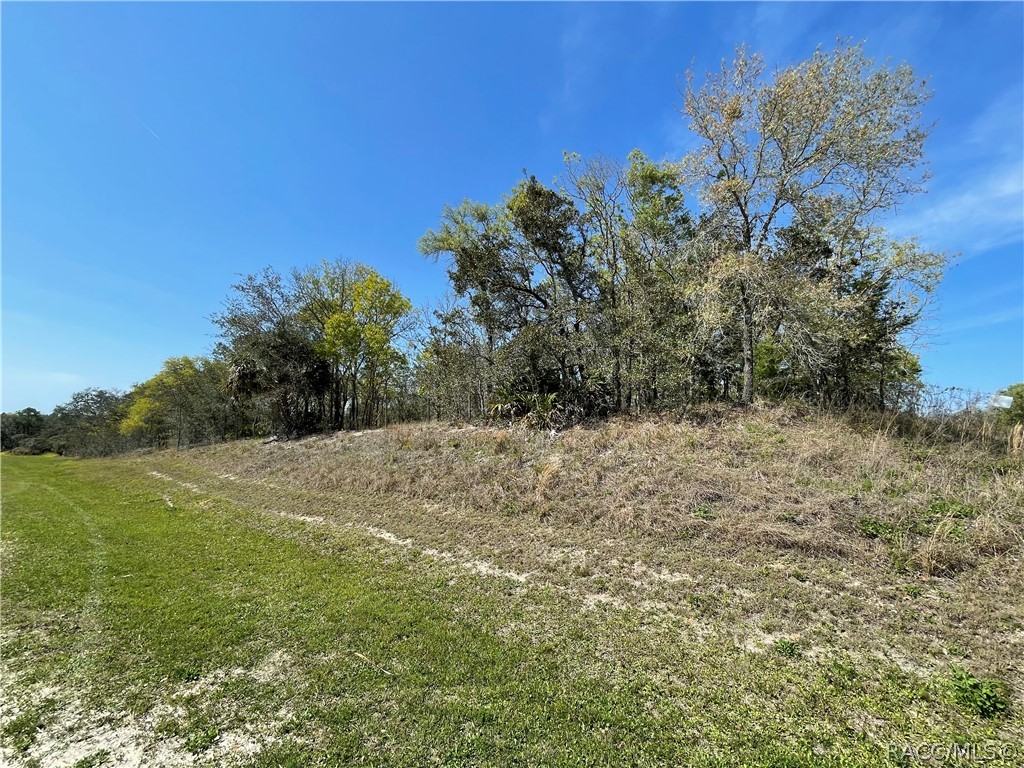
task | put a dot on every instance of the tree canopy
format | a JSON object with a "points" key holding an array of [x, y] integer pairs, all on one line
{"points": [[321, 349], [809, 154], [755, 265]]}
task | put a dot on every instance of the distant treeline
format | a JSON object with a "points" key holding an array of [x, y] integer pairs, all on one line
{"points": [[754, 267]]}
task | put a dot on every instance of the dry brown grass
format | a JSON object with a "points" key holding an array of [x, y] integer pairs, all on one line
{"points": [[773, 477]]}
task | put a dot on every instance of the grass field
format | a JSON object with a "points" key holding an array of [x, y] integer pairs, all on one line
{"points": [[217, 607]]}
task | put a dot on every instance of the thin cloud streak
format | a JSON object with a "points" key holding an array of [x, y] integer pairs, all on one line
{"points": [[47, 377], [987, 297], [986, 213], [985, 321], [983, 211]]}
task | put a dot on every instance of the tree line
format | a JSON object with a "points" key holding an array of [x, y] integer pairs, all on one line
{"points": [[756, 266], [319, 349]]}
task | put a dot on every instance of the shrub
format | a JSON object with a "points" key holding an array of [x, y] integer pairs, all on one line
{"points": [[33, 446], [787, 648], [983, 696], [876, 529]]}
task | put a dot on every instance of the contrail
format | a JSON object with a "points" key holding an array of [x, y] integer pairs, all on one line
{"points": [[149, 129]]}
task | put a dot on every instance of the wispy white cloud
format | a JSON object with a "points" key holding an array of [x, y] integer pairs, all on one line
{"points": [[1003, 117], [589, 43], [965, 301], [778, 30], [985, 320], [905, 27], [976, 202], [676, 135], [982, 213], [576, 49], [48, 378], [149, 129], [574, 54]]}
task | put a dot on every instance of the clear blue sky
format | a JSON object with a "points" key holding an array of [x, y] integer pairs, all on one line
{"points": [[152, 152]]}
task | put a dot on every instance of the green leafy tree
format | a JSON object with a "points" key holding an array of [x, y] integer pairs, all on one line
{"points": [[831, 142], [839, 319], [521, 268], [308, 351], [19, 427], [87, 425], [568, 290], [363, 336]]}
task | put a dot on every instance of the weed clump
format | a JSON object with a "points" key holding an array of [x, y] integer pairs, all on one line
{"points": [[876, 529], [787, 649], [985, 696]]}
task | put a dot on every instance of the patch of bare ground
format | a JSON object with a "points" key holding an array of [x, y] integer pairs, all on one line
{"points": [[768, 523], [72, 733]]}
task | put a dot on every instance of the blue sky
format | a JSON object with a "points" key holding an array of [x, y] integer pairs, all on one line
{"points": [[153, 152]]}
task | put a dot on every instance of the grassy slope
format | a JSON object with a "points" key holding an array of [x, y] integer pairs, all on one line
{"points": [[245, 603]]}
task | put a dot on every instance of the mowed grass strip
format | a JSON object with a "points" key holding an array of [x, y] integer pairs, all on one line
{"points": [[197, 618]]}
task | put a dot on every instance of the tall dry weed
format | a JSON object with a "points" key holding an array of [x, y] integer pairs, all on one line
{"points": [[779, 477]]}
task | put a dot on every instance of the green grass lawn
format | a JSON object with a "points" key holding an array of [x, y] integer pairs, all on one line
{"points": [[186, 628]]}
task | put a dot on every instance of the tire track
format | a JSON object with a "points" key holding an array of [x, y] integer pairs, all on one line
{"points": [[472, 564]]}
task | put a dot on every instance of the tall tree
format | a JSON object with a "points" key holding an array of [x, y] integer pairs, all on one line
{"points": [[571, 289], [301, 348], [324, 292], [830, 141], [362, 334], [522, 267], [87, 425]]}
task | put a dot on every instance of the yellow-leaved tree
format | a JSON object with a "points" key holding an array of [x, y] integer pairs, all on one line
{"points": [[362, 335]]}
